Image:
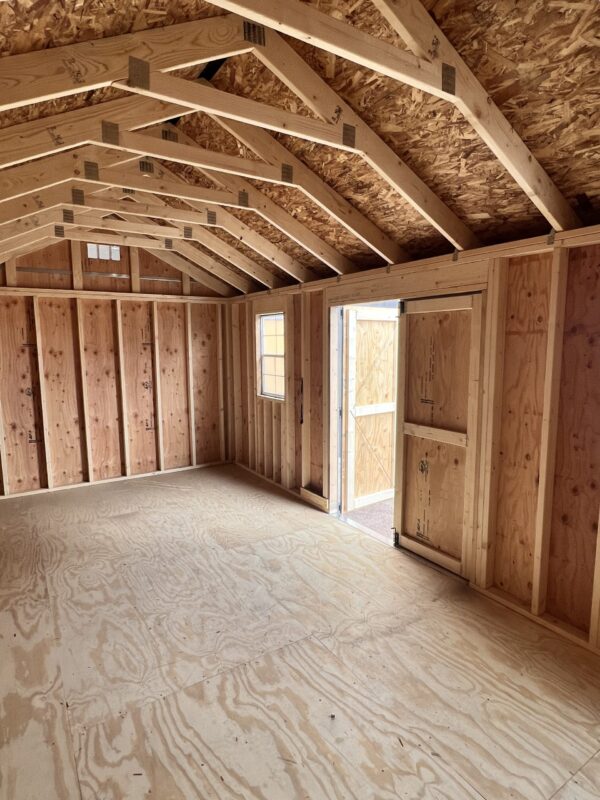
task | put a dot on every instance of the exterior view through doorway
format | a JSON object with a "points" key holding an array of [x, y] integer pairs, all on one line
{"points": [[368, 338], [406, 399]]}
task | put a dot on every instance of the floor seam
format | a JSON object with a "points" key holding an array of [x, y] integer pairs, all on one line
{"points": [[574, 775]]}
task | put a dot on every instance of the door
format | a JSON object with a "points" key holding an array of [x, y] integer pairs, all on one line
{"points": [[369, 404], [437, 427]]}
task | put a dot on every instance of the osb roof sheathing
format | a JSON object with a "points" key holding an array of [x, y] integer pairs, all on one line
{"points": [[538, 59]]}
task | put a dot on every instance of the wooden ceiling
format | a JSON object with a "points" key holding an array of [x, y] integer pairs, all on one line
{"points": [[397, 152]]}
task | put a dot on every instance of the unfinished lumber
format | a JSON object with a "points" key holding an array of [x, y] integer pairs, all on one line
{"points": [[427, 41], [290, 68], [543, 516], [56, 72]]}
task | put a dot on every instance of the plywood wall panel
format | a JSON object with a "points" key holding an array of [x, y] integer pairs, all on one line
{"points": [[375, 361], [439, 396], [139, 385], [173, 385], [576, 498], [316, 392], [20, 396], [526, 333], [434, 497], [374, 453], [205, 361], [101, 371], [58, 334]]}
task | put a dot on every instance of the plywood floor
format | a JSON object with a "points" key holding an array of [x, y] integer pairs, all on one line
{"points": [[200, 635]]}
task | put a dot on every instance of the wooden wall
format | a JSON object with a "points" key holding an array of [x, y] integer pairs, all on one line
{"points": [[545, 492], [95, 388], [538, 493], [263, 434], [52, 268], [522, 396]]}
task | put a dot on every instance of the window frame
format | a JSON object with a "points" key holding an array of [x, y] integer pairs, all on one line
{"points": [[261, 354], [113, 250]]}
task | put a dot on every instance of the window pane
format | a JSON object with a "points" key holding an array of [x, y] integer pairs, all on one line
{"points": [[115, 252], [271, 350], [92, 250], [269, 384], [104, 252]]}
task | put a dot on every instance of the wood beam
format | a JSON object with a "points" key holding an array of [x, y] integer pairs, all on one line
{"points": [[190, 155], [205, 216], [426, 39], [26, 248], [134, 269], [48, 135], [10, 271], [276, 216], [60, 71], [153, 183], [191, 233], [295, 73], [165, 245], [31, 204], [45, 173], [307, 24], [550, 409], [316, 189], [446, 76], [196, 96], [76, 265], [178, 262]]}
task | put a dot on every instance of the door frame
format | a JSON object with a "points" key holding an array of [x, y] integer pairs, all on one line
{"points": [[470, 440]]}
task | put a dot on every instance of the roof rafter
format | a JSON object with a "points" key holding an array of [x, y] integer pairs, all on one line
{"points": [[269, 211], [450, 80], [200, 259], [236, 113], [181, 264], [278, 56], [77, 217], [61, 71], [427, 40]]}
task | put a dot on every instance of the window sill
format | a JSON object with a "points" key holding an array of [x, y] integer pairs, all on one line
{"points": [[271, 397]]}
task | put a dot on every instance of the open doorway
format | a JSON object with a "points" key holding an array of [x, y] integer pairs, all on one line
{"points": [[367, 353]]}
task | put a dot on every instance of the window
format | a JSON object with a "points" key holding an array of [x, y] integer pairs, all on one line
{"points": [[271, 355], [104, 252]]}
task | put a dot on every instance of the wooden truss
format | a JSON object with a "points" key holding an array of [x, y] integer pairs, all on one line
{"points": [[119, 145]]}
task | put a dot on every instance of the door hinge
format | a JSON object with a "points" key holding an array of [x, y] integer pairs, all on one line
{"points": [[396, 538]]}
